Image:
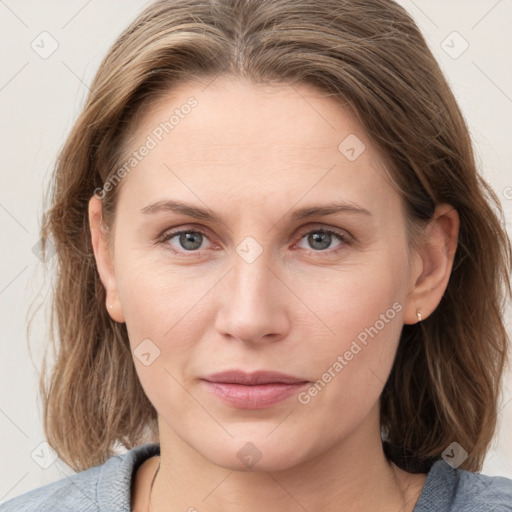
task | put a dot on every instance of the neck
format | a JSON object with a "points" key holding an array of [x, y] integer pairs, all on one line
{"points": [[353, 475]]}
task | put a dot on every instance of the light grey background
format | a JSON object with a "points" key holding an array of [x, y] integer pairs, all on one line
{"points": [[41, 97]]}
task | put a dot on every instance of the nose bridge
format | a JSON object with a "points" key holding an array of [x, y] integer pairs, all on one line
{"points": [[252, 305], [257, 252], [251, 274]]}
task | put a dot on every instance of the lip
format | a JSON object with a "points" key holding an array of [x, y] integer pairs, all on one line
{"points": [[256, 390], [253, 378]]}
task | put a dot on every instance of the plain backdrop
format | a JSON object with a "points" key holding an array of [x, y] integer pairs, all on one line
{"points": [[41, 95]]}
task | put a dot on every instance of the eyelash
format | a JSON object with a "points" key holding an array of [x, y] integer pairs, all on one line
{"points": [[343, 239]]}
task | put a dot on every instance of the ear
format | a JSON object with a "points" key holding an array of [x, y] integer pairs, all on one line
{"points": [[104, 259], [433, 264]]}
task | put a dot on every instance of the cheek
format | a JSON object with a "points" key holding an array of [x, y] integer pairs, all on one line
{"points": [[156, 295], [354, 298], [165, 314], [363, 310], [164, 317]]}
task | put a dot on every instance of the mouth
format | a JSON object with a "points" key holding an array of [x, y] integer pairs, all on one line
{"points": [[257, 390]]}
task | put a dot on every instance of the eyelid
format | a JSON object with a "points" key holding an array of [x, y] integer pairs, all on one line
{"points": [[344, 238], [328, 229], [172, 232]]}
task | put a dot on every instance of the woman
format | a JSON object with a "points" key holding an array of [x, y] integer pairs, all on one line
{"points": [[281, 279]]}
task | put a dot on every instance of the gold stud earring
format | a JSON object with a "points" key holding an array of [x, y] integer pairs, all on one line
{"points": [[419, 315]]}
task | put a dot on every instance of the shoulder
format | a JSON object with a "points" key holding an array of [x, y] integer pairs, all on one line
{"points": [[98, 489], [455, 490], [489, 493], [75, 492]]}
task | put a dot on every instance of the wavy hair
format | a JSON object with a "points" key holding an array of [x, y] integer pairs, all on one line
{"points": [[445, 382]]}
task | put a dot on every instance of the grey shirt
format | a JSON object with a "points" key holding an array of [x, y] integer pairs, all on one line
{"points": [[107, 488]]}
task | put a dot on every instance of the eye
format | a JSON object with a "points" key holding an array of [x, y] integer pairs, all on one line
{"points": [[187, 240], [321, 239], [191, 240]]}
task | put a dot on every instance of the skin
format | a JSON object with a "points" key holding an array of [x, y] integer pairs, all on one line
{"points": [[252, 154]]}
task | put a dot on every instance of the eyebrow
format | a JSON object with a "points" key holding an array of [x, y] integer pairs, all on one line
{"points": [[299, 214]]}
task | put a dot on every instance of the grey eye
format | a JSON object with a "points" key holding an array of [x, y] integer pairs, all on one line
{"points": [[190, 240], [319, 240]]}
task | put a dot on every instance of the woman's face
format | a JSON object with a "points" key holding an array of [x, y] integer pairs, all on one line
{"points": [[260, 280]]}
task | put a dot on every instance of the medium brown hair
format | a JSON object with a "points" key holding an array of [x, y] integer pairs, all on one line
{"points": [[444, 385]]}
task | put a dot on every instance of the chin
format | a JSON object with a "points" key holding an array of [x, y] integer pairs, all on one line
{"points": [[257, 453]]}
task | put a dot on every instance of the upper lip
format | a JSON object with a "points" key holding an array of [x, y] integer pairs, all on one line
{"points": [[253, 378]]}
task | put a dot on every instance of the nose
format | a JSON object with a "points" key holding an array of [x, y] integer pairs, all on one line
{"points": [[253, 302]]}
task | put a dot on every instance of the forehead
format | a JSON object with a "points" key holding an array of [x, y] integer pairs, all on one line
{"points": [[257, 144]]}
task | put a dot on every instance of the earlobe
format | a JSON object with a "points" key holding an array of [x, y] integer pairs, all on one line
{"points": [[104, 263], [434, 263]]}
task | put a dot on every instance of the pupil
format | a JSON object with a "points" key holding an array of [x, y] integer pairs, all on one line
{"points": [[317, 237], [188, 238]]}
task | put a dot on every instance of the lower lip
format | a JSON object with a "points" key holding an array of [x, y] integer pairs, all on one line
{"points": [[253, 397]]}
